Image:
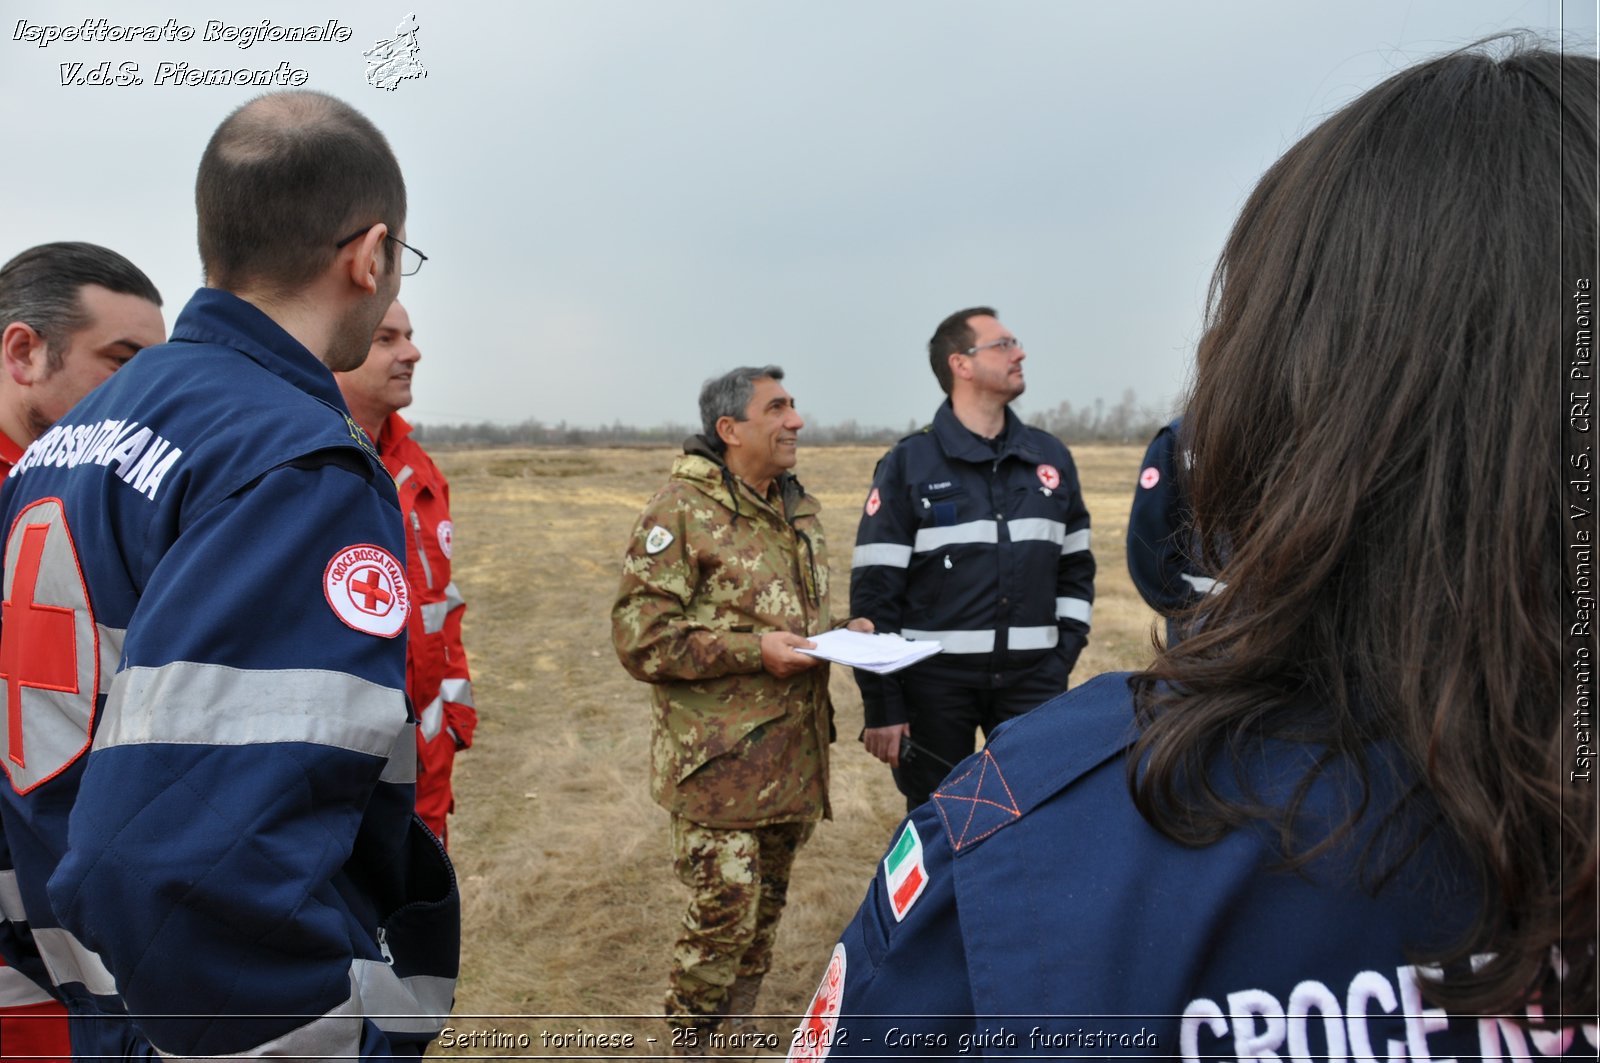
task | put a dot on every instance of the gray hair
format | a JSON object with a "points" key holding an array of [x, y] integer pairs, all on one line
{"points": [[41, 288], [728, 395]]}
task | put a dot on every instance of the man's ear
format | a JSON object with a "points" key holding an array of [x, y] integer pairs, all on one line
{"points": [[364, 264], [725, 431], [24, 352], [960, 367]]}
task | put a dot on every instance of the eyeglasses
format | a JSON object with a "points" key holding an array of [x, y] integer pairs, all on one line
{"points": [[1009, 343], [411, 259]]}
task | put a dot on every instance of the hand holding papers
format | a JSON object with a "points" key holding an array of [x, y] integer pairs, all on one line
{"points": [[875, 653]]}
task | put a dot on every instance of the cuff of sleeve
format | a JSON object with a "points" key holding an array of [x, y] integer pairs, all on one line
{"points": [[886, 709], [462, 720], [745, 650], [1072, 644]]}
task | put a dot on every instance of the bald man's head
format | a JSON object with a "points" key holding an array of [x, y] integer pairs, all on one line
{"points": [[283, 180]]}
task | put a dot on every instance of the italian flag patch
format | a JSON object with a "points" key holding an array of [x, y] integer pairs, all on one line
{"points": [[905, 872]]}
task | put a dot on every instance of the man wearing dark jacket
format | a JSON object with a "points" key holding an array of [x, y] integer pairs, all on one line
{"points": [[974, 534]]}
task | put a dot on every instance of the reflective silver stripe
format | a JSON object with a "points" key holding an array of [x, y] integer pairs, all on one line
{"points": [[1033, 638], [974, 531], [11, 899], [419, 1004], [955, 641], [1202, 584], [1036, 529], [892, 554], [432, 719], [1076, 543], [17, 989], [433, 614], [111, 639], [403, 475], [70, 960], [334, 1036], [402, 766], [182, 703], [458, 691], [1073, 609]]}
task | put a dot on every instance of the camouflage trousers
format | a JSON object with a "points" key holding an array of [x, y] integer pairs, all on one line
{"points": [[740, 881]]}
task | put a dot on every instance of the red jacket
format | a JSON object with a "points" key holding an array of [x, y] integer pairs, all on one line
{"points": [[32, 1022], [437, 679]]}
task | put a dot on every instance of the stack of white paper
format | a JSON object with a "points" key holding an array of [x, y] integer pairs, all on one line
{"points": [[874, 653]]}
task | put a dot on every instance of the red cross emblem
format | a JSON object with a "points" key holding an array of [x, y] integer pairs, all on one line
{"points": [[366, 586], [1150, 477], [371, 593], [49, 652], [39, 645], [814, 1038], [1050, 476]]}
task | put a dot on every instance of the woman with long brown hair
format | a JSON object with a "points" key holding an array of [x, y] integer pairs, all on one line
{"points": [[1341, 819]]}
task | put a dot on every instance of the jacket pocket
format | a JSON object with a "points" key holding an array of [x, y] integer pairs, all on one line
{"points": [[409, 990]]}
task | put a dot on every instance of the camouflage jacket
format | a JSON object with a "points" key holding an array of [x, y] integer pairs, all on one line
{"points": [[710, 568]]}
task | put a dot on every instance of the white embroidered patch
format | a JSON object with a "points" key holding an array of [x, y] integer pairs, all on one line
{"points": [[367, 589], [873, 502], [447, 538], [1150, 477], [658, 540], [813, 1038]]}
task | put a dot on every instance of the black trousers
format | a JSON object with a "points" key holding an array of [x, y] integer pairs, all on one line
{"points": [[946, 714]]}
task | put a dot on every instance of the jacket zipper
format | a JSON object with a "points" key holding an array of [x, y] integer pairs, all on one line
{"points": [[422, 553]]}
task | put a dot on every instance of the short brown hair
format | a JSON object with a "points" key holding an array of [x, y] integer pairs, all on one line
{"points": [[953, 336], [284, 178], [42, 288]]}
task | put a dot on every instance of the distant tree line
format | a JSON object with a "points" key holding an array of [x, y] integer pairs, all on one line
{"points": [[1125, 422]]}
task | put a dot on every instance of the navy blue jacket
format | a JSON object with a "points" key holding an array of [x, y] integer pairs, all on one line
{"points": [[984, 548], [1028, 909], [1160, 546], [210, 759]]}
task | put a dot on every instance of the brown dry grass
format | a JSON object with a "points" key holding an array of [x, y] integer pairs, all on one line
{"points": [[570, 905]]}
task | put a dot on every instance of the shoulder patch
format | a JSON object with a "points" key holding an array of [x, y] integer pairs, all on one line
{"points": [[447, 538], [904, 872], [359, 434], [367, 589], [658, 540], [813, 1039], [976, 803], [1150, 477], [873, 502]]}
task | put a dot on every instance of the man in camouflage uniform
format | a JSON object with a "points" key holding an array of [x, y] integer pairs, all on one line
{"points": [[726, 575]]}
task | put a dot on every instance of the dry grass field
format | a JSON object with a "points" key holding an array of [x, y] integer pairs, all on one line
{"points": [[570, 904]]}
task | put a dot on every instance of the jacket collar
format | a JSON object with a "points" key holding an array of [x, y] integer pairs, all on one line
{"points": [[703, 465], [391, 432], [10, 454], [216, 316], [958, 442]]}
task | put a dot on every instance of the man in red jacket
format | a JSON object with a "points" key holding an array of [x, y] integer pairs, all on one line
{"points": [[437, 680], [70, 315]]}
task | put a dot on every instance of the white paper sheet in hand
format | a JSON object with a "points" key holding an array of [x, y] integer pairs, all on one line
{"points": [[875, 653]]}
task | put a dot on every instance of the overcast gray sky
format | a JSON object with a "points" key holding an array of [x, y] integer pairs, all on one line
{"points": [[623, 197]]}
